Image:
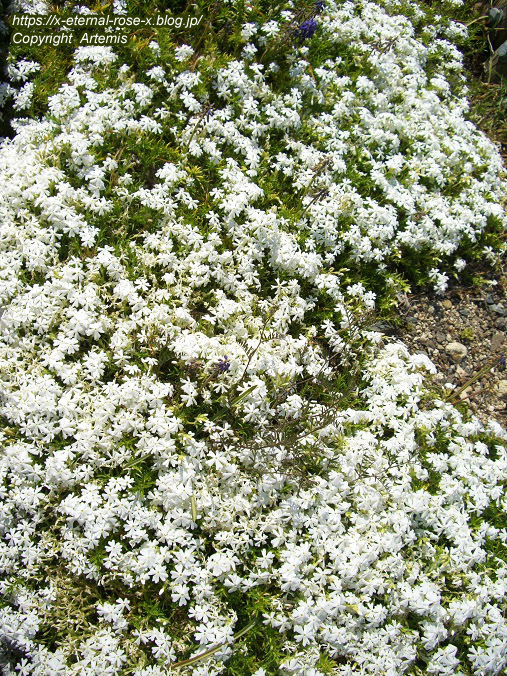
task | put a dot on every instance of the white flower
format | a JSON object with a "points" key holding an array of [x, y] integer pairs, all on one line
{"points": [[252, 233], [444, 661], [183, 52]]}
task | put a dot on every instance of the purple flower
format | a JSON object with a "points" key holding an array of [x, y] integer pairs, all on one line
{"points": [[223, 364], [318, 6], [208, 111], [306, 29]]}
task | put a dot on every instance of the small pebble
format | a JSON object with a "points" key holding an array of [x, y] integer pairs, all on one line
{"points": [[499, 309], [502, 388], [457, 351], [497, 341], [447, 304]]}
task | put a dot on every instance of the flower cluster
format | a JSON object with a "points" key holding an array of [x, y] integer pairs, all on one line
{"points": [[179, 335], [307, 29]]}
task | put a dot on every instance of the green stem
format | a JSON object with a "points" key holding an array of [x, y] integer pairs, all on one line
{"points": [[476, 20], [214, 649], [472, 380]]}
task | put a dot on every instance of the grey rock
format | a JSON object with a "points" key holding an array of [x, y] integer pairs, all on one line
{"points": [[499, 309], [502, 388], [495, 17], [457, 351], [497, 341], [498, 61]]}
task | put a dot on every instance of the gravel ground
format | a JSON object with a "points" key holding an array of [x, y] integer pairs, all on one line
{"points": [[464, 333]]}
